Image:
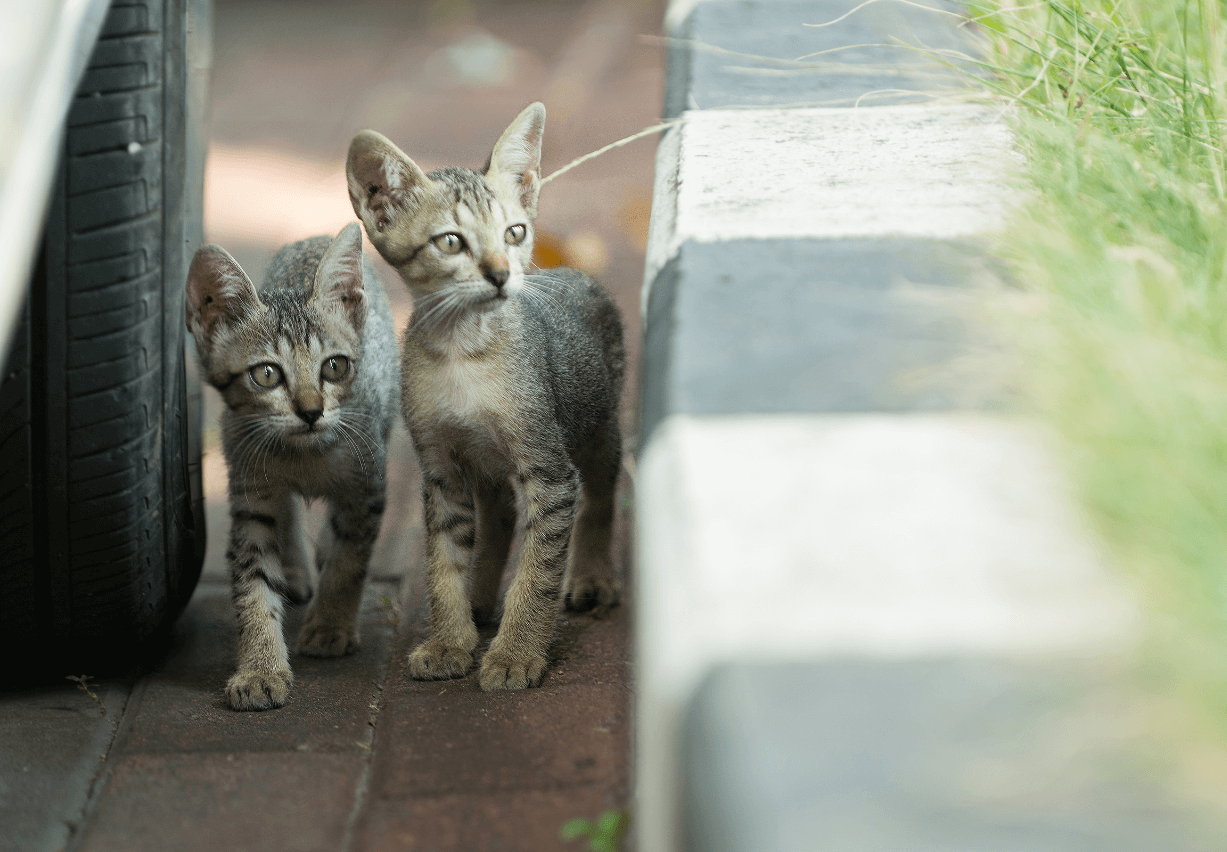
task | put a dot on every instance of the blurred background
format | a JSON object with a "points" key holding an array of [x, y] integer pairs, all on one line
{"points": [[293, 80]]}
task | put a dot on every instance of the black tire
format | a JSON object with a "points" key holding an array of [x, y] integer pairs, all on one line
{"points": [[101, 512]]}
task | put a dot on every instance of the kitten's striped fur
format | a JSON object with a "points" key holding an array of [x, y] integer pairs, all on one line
{"points": [[511, 383], [319, 335]]}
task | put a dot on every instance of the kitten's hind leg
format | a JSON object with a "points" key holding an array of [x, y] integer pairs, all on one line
{"points": [[295, 555], [257, 585], [331, 626], [451, 533], [592, 581], [496, 524]]}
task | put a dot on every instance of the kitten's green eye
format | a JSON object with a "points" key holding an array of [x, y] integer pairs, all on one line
{"points": [[449, 243], [515, 235], [335, 368], [266, 375]]}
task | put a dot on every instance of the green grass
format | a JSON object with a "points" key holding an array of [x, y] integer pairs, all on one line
{"points": [[1119, 109], [603, 835]]}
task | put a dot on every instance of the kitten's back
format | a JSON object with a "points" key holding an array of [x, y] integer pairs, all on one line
{"points": [[294, 265], [577, 309]]}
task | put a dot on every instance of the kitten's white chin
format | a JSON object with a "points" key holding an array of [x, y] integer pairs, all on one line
{"points": [[490, 304], [320, 437]]}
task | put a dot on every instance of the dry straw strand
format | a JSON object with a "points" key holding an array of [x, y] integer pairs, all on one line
{"points": [[656, 128]]}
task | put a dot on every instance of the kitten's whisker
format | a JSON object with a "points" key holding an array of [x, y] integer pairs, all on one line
{"points": [[372, 448], [536, 297], [551, 282], [243, 451], [344, 425], [543, 298], [446, 299], [545, 288], [261, 453], [249, 438], [424, 303], [446, 313], [547, 284], [357, 452], [429, 303], [356, 418], [535, 271]]}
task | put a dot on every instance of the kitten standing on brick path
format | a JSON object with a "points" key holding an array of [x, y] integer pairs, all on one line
{"points": [[308, 371], [511, 389]]}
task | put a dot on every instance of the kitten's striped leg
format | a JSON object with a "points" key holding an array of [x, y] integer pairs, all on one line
{"points": [[592, 581], [519, 654], [496, 524], [256, 585], [451, 532], [331, 627], [295, 558]]}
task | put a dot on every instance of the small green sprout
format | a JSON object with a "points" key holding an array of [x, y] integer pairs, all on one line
{"points": [[603, 835]]}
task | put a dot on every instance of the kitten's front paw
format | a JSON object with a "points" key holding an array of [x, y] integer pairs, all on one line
{"points": [[317, 639], [504, 670], [437, 662], [258, 690], [596, 593]]}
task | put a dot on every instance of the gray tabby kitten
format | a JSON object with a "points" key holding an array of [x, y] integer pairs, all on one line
{"points": [[511, 385], [307, 368]]}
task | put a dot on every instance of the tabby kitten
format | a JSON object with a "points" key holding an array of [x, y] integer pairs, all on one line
{"points": [[511, 385], [307, 368]]}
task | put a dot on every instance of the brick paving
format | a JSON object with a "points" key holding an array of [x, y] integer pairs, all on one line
{"points": [[362, 757]]}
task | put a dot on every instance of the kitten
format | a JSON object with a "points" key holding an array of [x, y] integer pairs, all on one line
{"points": [[507, 378], [307, 368]]}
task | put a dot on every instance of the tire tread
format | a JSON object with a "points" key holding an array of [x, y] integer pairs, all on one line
{"points": [[112, 573]]}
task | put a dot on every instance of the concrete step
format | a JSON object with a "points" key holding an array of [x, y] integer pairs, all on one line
{"points": [[870, 614]]}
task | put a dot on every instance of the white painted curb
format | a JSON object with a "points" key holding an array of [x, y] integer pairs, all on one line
{"points": [[935, 171], [872, 536], [808, 537]]}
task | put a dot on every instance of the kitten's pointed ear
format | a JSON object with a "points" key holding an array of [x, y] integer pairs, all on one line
{"points": [[338, 279], [517, 155], [383, 181], [218, 293]]}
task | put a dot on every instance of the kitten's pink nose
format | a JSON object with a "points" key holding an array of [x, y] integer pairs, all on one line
{"points": [[497, 277], [495, 270], [310, 415]]}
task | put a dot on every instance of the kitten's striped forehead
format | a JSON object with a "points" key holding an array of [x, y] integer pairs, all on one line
{"points": [[290, 350], [467, 188], [289, 318]]}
